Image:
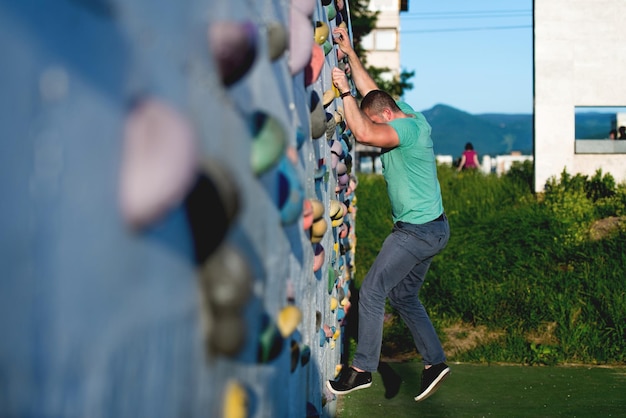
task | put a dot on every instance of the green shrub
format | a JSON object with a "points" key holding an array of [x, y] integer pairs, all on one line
{"points": [[600, 186], [521, 173]]}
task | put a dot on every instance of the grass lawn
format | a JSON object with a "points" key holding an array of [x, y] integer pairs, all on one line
{"points": [[493, 391]]}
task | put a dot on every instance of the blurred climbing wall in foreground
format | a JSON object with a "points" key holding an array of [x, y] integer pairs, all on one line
{"points": [[176, 229]]}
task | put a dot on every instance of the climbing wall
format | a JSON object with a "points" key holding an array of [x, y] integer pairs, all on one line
{"points": [[178, 208]]}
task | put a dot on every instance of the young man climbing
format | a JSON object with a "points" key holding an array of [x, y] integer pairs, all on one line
{"points": [[420, 229]]}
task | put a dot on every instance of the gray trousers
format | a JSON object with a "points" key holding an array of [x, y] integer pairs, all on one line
{"points": [[398, 273]]}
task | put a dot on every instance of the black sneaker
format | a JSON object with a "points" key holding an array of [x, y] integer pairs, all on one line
{"points": [[431, 379], [349, 380]]}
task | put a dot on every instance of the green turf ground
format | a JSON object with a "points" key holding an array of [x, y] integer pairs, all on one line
{"points": [[493, 391]]}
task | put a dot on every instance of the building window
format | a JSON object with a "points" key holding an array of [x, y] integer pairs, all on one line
{"points": [[597, 129], [381, 40]]}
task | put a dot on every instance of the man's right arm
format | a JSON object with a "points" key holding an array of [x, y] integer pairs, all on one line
{"points": [[362, 80]]}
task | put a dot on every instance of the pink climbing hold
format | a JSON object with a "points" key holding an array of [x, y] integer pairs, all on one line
{"points": [[158, 162], [300, 41]]}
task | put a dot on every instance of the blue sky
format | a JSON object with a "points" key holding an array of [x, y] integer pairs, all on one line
{"points": [[475, 56]]}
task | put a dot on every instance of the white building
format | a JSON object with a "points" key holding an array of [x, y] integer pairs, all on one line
{"points": [[579, 60]]}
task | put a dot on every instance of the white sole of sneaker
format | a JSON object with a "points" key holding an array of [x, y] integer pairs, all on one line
{"points": [[330, 388], [433, 386]]}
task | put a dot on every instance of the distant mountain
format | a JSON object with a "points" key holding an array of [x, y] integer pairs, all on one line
{"points": [[491, 134]]}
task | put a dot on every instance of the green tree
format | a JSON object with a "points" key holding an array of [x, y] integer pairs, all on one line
{"points": [[397, 86]]}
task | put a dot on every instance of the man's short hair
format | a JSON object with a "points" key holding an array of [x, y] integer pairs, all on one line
{"points": [[377, 100]]}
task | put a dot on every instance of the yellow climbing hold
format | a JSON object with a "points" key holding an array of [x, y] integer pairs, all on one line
{"points": [[288, 320], [338, 369], [235, 401], [333, 303], [321, 33], [337, 334], [335, 209], [318, 209], [328, 97], [318, 230], [336, 222]]}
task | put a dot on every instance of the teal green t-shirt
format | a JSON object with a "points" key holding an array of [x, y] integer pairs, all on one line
{"points": [[410, 170]]}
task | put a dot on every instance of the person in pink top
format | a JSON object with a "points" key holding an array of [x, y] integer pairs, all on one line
{"points": [[469, 159]]}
